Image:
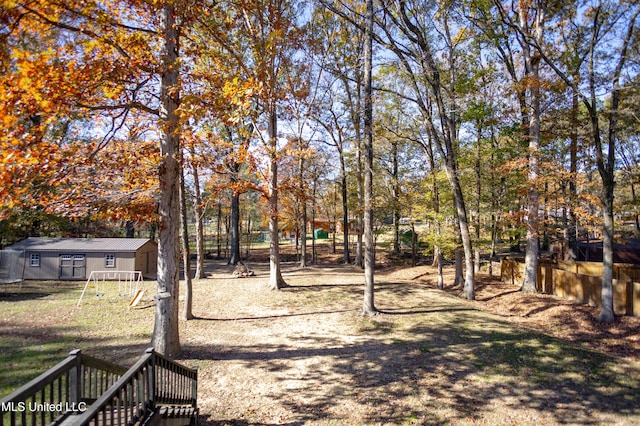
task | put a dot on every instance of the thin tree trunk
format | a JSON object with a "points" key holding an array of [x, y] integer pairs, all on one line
{"points": [[396, 198], [360, 215], [478, 175], [166, 338], [414, 246], [200, 273], [276, 282], [313, 223], [335, 220], [634, 200], [368, 307], [439, 262], [303, 236], [303, 224], [187, 310], [606, 309], [606, 168], [447, 144], [571, 230], [234, 255], [345, 211], [219, 231]]}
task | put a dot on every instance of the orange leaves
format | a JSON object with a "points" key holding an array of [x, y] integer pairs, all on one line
{"points": [[68, 67]]}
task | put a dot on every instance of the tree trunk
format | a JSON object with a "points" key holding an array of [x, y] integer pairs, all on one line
{"points": [[532, 65], [396, 198], [313, 223], [572, 226], [457, 278], [187, 312], [414, 246], [439, 262], [335, 221], [360, 215], [478, 175], [447, 143], [465, 234], [606, 168], [368, 307], [345, 211], [234, 255], [276, 282], [219, 231], [166, 338], [634, 200], [303, 236], [131, 229], [200, 273], [356, 119], [303, 218], [606, 310]]}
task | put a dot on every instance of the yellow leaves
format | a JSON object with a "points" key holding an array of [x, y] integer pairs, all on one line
{"points": [[111, 92], [461, 36]]}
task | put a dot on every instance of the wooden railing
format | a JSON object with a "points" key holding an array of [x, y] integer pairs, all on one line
{"points": [[83, 390], [152, 381], [68, 387]]}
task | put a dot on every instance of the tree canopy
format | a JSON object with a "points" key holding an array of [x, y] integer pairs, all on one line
{"points": [[486, 121]]}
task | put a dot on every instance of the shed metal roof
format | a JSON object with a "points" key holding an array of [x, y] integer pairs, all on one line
{"points": [[80, 244]]}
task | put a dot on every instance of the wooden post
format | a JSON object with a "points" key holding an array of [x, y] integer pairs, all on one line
{"points": [[75, 378], [194, 388], [151, 378]]}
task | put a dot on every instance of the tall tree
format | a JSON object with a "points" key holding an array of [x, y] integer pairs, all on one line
{"points": [[267, 34], [416, 56], [368, 307], [105, 62], [530, 22], [166, 339], [602, 20], [343, 51]]}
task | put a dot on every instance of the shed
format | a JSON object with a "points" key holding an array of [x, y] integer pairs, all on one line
{"points": [[76, 258], [320, 234]]}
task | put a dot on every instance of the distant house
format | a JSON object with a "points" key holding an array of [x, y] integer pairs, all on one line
{"points": [[76, 258]]}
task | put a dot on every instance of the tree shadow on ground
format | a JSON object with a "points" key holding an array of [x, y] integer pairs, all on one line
{"points": [[260, 318], [465, 363], [33, 290]]}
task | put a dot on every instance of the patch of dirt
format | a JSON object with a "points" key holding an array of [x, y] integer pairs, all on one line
{"points": [[305, 355]]}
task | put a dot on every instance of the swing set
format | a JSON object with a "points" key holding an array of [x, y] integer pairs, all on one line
{"points": [[129, 283]]}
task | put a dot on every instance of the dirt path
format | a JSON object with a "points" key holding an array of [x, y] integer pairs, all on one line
{"points": [[304, 355]]}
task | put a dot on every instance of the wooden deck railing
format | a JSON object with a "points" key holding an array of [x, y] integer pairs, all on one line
{"points": [[153, 380], [68, 387], [82, 390]]}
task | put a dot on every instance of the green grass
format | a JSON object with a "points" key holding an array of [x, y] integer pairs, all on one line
{"points": [[41, 324]]}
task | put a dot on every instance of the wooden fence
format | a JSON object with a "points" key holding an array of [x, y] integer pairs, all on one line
{"points": [[581, 281]]}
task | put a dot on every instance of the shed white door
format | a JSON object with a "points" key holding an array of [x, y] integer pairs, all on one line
{"points": [[72, 266]]}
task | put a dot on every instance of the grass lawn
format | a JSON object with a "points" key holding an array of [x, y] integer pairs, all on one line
{"points": [[304, 355]]}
